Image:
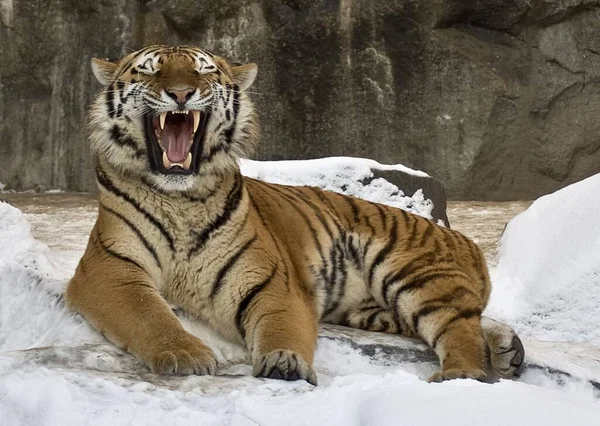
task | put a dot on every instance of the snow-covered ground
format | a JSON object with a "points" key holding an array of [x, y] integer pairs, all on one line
{"points": [[56, 370]]}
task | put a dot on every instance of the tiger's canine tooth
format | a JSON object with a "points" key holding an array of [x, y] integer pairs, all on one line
{"points": [[196, 115], [166, 161], [163, 117], [188, 162]]}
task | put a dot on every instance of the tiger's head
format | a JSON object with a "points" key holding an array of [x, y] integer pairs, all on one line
{"points": [[170, 115]]}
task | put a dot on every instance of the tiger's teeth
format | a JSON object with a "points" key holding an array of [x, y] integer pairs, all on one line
{"points": [[196, 115], [163, 117], [188, 162], [166, 161]]}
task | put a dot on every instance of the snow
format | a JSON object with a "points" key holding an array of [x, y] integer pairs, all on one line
{"points": [[292, 170], [66, 398], [56, 370], [547, 281]]}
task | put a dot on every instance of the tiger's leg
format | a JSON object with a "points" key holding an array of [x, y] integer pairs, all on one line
{"points": [[370, 316], [280, 330], [505, 349], [118, 298], [445, 313]]}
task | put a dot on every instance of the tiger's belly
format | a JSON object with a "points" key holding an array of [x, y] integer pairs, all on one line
{"points": [[339, 292]]}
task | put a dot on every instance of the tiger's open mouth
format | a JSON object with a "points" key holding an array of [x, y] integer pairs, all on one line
{"points": [[174, 140]]}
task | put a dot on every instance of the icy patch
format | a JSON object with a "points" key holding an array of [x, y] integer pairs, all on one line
{"points": [[344, 175], [548, 276]]}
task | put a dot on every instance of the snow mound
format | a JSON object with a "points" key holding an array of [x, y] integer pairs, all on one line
{"points": [[547, 281], [345, 175], [16, 240], [31, 309]]}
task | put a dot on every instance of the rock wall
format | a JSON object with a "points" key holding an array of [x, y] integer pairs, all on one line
{"points": [[498, 99]]}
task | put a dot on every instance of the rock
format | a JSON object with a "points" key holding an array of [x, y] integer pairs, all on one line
{"points": [[497, 99], [432, 189], [394, 185]]}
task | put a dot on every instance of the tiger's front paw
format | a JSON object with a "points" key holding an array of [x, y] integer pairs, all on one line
{"points": [[183, 356], [457, 373], [284, 365]]}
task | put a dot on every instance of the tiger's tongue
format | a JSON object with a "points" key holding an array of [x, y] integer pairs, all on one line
{"points": [[176, 141]]}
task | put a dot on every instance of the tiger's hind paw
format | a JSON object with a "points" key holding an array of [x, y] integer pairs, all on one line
{"points": [[505, 349], [507, 360], [284, 365]]}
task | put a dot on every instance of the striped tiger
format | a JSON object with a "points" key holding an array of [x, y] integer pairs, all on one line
{"points": [[260, 263]]}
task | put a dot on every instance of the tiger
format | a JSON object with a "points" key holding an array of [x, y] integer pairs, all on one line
{"points": [[262, 264]]}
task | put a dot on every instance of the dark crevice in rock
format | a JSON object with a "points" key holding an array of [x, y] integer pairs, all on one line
{"points": [[546, 18], [592, 51], [568, 91], [556, 62], [172, 25]]}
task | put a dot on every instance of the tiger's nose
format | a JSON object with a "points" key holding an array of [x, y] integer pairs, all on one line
{"points": [[181, 96]]}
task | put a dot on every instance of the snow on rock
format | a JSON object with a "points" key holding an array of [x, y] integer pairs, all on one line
{"points": [[547, 281], [345, 175]]}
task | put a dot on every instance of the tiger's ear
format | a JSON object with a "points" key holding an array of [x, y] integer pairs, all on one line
{"points": [[244, 75], [103, 70]]}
